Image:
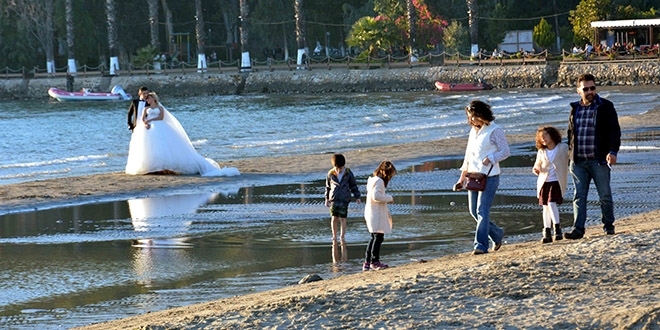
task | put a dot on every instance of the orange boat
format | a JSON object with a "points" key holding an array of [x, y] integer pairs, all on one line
{"points": [[447, 87]]}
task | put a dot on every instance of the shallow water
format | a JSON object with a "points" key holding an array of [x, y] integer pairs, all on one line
{"points": [[77, 264]]}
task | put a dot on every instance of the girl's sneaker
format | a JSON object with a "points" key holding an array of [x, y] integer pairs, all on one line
{"points": [[378, 265], [365, 266]]}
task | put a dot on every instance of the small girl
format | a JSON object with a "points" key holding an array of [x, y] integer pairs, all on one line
{"points": [[551, 166], [376, 213]]}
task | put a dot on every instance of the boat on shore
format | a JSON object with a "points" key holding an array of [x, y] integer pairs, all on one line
{"points": [[448, 87], [116, 94]]}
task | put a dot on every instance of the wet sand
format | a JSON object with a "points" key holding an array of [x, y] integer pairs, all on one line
{"points": [[593, 283]]}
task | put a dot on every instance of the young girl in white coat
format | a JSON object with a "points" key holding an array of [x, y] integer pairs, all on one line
{"points": [[551, 166], [376, 213]]}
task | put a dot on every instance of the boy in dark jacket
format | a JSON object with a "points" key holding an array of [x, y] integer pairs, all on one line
{"points": [[339, 185]]}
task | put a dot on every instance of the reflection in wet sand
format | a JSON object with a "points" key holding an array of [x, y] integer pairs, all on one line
{"points": [[157, 256], [162, 212], [339, 252]]}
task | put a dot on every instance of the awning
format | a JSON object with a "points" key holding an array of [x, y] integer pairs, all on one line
{"points": [[626, 23]]}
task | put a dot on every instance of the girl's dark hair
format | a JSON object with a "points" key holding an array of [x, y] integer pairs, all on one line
{"points": [[385, 171], [554, 134], [480, 110]]}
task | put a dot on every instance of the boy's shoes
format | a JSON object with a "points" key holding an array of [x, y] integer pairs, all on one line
{"points": [[609, 230], [378, 265], [365, 266]]}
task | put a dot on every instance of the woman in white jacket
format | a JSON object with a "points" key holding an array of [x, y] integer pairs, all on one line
{"points": [[552, 168], [376, 213]]}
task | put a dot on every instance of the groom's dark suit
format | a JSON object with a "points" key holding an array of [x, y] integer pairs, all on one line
{"points": [[132, 113]]}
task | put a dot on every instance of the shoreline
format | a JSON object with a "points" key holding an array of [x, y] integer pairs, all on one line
{"points": [[597, 282], [33, 195], [346, 80]]}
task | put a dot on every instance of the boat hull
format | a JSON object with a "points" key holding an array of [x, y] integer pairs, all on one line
{"points": [[117, 94], [447, 87]]}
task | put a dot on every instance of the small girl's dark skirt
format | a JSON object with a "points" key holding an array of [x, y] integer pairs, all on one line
{"points": [[551, 193]]}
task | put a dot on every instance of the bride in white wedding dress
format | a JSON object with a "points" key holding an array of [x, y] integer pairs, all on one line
{"points": [[159, 144]]}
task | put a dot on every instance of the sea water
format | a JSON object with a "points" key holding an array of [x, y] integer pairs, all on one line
{"points": [[78, 264], [44, 138]]}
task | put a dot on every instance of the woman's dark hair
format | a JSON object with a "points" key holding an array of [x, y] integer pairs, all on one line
{"points": [[554, 134], [385, 171], [480, 110]]}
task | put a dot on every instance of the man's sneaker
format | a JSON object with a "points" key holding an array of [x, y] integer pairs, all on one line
{"points": [[378, 265], [573, 235], [365, 266], [479, 251], [609, 230]]}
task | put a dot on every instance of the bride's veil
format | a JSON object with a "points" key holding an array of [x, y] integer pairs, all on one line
{"points": [[174, 123]]}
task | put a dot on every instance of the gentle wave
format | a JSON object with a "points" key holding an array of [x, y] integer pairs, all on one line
{"points": [[56, 161]]}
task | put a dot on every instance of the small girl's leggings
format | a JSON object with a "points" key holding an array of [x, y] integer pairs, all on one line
{"points": [[373, 249]]}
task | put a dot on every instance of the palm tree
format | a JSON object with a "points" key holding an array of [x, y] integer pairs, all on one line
{"points": [[169, 27], [199, 29], [300, 31], [412, 24], [68, 11], [473, 25], [244, 30], [48, 37], [113, 42], [153, 23]]}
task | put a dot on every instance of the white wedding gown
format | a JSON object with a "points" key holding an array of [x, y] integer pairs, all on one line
{"points": [[165, 146]]}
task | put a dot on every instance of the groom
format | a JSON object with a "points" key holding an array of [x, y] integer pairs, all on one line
{"points": [[137, 105]]}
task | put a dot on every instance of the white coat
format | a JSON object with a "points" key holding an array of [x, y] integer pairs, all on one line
{"points": [[560, 164], [376, 213]]}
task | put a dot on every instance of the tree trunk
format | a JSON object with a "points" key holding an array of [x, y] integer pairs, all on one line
{"points": [[169, 28], [113, 44], [153, 24], [244, 30], [199, 29], [49, 37], [412, 24], [474, 26], [70, 37], [36, 18], [300, 33]]}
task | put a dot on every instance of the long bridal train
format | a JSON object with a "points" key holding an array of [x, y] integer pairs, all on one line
{"points": [[165, 147]]}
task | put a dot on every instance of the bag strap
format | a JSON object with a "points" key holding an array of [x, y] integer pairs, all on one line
{"points": [[491, 168]]}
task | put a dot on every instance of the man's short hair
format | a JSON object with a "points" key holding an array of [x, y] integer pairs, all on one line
{"points": [[586, 77]]}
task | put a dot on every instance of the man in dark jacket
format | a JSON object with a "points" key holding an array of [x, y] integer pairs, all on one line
{"points": [[594, 138], [135, 109]]}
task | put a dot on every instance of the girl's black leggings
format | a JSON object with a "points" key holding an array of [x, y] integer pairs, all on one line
{"points": [[373, 249]]}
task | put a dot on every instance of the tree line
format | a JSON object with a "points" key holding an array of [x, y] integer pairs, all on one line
{"points": [[95, 32]]}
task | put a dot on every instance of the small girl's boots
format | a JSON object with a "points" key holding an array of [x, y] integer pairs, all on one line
{"points": [[558, 234], [547, 235]]}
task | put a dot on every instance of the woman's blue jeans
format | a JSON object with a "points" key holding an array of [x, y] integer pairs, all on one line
{"points": [[479, 203], [583, 171]]}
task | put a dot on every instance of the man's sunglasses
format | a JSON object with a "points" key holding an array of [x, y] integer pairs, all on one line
{"points": [[591, 88]]}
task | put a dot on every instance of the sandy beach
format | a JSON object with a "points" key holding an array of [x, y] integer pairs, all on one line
{"points": [[598, 282]]}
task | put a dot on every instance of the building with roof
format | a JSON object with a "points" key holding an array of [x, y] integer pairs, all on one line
{"points": [[639, 32]]}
